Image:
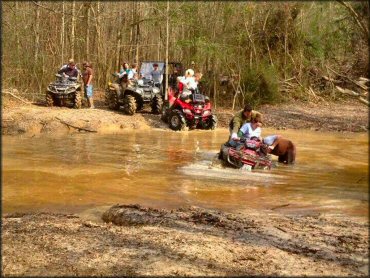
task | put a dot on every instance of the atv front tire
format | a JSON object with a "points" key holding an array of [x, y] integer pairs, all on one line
{"points": [[77, 103], [129, 105], [211, 123], [157, 104], [176, 120], [111, 98], [49, 100]]}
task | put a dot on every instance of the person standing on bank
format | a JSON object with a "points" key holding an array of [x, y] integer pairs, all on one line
{"points": [[87, 76]]}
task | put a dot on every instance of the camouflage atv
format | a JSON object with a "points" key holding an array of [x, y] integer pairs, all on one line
{"points": [[64, 91], [132, 95]]}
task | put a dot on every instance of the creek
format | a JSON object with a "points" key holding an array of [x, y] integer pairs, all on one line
{"points": [[164, 169]]}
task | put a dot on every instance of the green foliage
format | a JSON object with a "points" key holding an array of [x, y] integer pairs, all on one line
{"points": [[261, 85]]}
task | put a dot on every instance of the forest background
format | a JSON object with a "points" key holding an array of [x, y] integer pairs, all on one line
{"points": [[257, 52]]}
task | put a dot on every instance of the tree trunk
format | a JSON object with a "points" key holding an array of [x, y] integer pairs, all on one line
{"points": [[167, 40], [37, 34], [87, 40], [62, 39], [357, 19], [119, 41], [73, 27]]}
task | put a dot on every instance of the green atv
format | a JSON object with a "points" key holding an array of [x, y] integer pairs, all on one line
{"points": [[64, 91], [134, 94]]}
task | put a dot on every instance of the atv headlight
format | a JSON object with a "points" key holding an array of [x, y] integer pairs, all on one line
{"points": [[51, 88], [187, 111], [206, 112], [156, 90]]}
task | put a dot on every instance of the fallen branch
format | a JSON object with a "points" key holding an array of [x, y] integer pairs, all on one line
{"points": [[352, 93], [361, 99], [331, 80], [281, 206], [76, 127], [364, 87], [17, 97], [312, 92]]}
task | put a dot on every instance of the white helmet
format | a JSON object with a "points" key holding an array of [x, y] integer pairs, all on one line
{"points": [[189, 72]]}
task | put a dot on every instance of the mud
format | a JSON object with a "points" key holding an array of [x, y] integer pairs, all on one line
{"points": [[132, 240], [135, 240], [34, 119]]}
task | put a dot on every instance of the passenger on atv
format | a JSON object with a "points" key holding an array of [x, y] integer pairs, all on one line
{"points": [[247, 131], [124, 77], [253, 130], [188, 86]]}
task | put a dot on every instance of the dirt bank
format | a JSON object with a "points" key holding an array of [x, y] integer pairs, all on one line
{"points": [[191, 241], [324, 116], [31, 119]]}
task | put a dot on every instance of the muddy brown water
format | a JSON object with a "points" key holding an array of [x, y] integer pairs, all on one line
{"points": [[79, 173]]}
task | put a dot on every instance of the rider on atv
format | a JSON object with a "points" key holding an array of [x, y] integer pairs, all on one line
{"points": [[247, 131], [253, 131], [70, 70], [188, 85]]}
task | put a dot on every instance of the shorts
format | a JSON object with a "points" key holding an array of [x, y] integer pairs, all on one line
{"points": [[89, 91], [269, 140]]}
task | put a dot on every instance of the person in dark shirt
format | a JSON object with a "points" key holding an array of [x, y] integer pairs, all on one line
{"points": [[70, 70]]}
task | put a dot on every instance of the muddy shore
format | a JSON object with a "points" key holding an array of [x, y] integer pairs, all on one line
{"points": [[135, 240], [35, 119], [130, 240]]}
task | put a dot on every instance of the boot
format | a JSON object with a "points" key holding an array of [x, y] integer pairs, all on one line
{"points": [[91, 102]]}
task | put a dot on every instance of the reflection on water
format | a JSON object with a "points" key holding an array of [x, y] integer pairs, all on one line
{"points": [[170, 169]]}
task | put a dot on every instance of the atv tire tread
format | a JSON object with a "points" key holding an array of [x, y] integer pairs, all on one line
{"points": [[77, 103], [112, 100], [129, 104], [49, 100], [211, 123], [157, 104], [176, 120]]}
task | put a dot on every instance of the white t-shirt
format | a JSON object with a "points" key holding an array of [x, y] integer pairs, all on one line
{"points": [[191, 83], [248, 131]]}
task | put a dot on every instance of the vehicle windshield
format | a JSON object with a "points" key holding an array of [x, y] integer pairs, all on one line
{"points": [[147, 68]]}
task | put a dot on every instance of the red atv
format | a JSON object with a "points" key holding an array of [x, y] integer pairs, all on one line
{"points": [[193, 112], [251, 154]]}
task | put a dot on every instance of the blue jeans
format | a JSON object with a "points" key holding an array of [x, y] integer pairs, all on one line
{"points": [[269, 140], [234, 143]]}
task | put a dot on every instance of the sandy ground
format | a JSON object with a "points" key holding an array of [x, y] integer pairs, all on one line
{"points": [[131, 240], [141, 241]]}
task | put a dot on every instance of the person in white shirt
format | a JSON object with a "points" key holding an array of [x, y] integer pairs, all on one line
{"points": [[253, 129], [248, 130]]}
